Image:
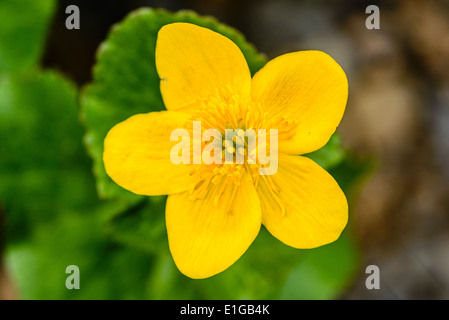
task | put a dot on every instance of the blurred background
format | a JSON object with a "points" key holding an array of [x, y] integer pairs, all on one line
{"points": [[397, 120]]}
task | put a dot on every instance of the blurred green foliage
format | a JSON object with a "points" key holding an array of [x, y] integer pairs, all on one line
{"points": [[55, 218], [330, 155], [24, 25], [43, 168]]}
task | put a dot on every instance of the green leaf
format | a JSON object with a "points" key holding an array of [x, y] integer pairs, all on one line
{"points": [[54, 217], [24, 24], [43, 168], [330, 155], [141, 226], [324, 272], [126, 81], [107, 271], [352, 171]]}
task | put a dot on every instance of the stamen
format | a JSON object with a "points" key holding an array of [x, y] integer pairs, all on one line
{"points": [[229, 111]]}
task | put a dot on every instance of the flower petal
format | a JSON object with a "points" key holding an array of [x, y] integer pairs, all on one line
{"points": [[206, 238], [308, 88], [302, 205], [195, 64], [137, 154]]}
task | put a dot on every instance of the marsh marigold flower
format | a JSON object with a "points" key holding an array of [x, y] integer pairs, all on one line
{"points": [[215, 211]]}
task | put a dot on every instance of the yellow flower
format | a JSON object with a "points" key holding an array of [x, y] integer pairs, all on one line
{"points": [[214, 212]]}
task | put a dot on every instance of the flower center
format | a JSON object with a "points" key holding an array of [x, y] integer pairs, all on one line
{"points": [[243, 139], [235, 155]]}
